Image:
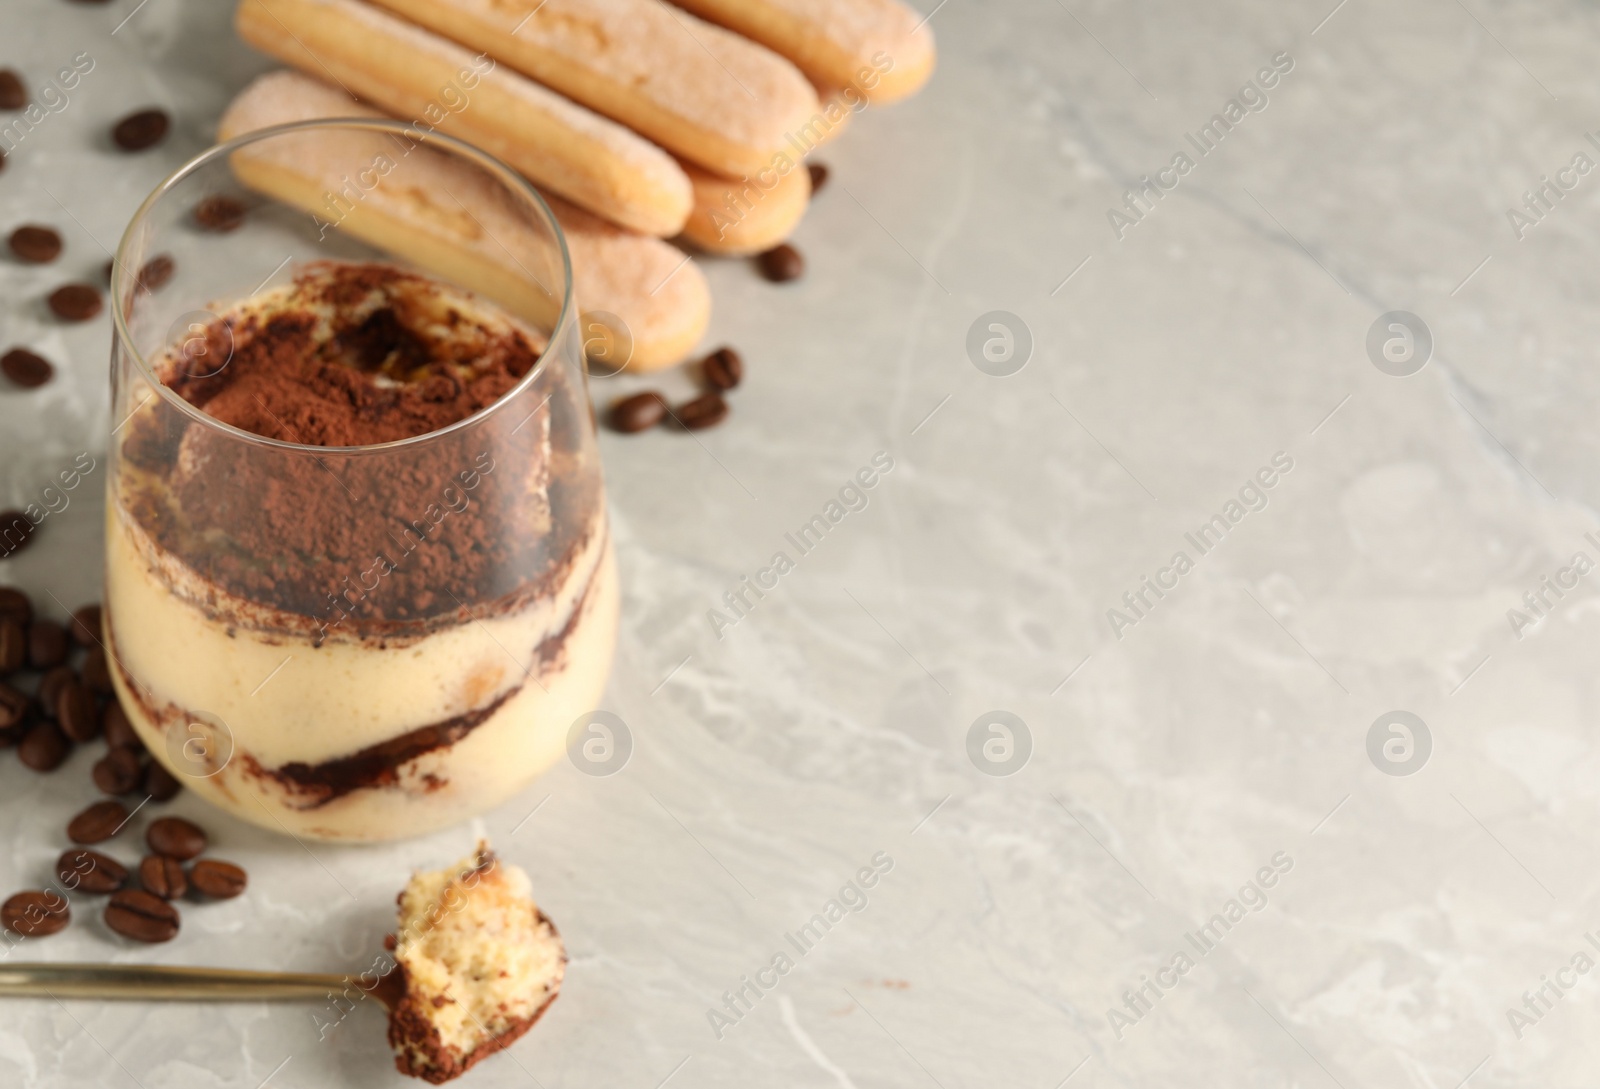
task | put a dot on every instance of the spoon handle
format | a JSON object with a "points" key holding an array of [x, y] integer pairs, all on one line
{"points": [[152, 981]]}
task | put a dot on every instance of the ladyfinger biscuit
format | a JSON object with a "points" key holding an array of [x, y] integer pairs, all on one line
{"points": [[880, 47], [594, 162], [836, 109], [704, 93], [409, 210], [741, 217]]}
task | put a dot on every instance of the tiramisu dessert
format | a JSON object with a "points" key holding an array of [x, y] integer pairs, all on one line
{"points": [[478, 963], [359, 580]]}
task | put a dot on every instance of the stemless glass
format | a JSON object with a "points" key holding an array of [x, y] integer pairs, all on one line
{"points": [[351, 642]]}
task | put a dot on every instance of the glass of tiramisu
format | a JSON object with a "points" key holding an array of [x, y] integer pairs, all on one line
{"points": [[359, 581]]}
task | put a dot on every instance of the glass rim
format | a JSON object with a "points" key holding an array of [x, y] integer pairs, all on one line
{"points": [[514, 181]]}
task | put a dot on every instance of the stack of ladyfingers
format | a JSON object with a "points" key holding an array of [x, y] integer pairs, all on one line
{"points": [[639, 120]]}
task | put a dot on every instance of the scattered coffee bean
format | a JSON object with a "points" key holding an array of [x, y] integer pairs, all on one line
{"points": [[51, 685], [89, 871], [175, 837], [35, 244], [723, 369], [141, 917], [163, 876], [220, 213], [43, 747], [140, 130], [707, 410], [15, 532], [13, 647], [26, 369], [97, 673], [106, 271], [47, 644], [13, 95], [16, 715], [781, 263], [14, 709], [159, 783], [35, 914], [118, 730], [819, 177], [639, 412], [14, 605], [86, 626], [77, 714], [98, 823], [75, 302], [216, 879], [157, 272], [118, 771]]}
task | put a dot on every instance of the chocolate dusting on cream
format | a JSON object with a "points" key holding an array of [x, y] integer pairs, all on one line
{"points": [[386, 544]]}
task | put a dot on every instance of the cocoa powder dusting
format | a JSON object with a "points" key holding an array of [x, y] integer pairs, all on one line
{"points": [[354, 355]]}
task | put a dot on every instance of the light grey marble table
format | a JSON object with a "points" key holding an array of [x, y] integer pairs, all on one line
{"points": [[1050, 925]]}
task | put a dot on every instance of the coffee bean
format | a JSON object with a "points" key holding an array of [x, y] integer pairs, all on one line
{"points": [[35, 244], [157, 272], [13, 95], [163, 876], [35, 914], [140, 130], [52, 685], [15, 532], [14, 605], [159, 783], [106, 270], [47, 644], [707, 410], [118, 730], [216, 879], [43, 747], [141, 917], [175, 837], [220, 213], [86, 626], [15, 709], [75, 302], [89, 871], [637, 413], [118, 772], [781, 263], [819, 177], [26, 369], [723, 369], [98, 823], [16, 715], [76, 713], [97, 673], [13, 647]]}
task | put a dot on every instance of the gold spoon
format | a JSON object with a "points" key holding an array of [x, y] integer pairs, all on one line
{"points": [[182, 983]]}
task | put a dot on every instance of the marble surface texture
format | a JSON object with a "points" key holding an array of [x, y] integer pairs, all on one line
{"points": [[1172, 756]]}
